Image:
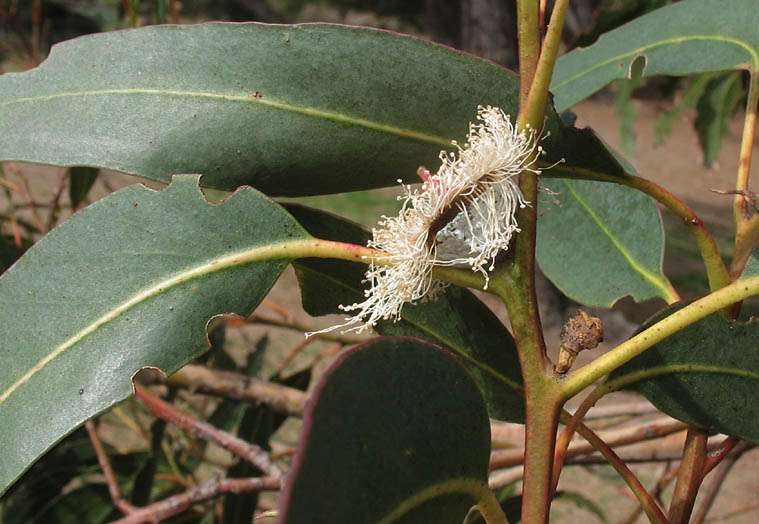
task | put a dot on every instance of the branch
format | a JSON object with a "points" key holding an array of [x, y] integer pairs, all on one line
{"points": [[690, 476], [226, 384], [113, 486], [250, 452], [708, 496], [655, 429], [175, 505], [690, 314]]}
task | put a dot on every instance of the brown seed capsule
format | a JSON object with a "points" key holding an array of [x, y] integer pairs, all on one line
{"points": [[581, 332]]}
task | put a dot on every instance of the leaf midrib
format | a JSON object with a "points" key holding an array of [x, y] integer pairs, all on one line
{"points": [[677, 369], [670, 41], [270, 252], [665, 291], [283, 106]]}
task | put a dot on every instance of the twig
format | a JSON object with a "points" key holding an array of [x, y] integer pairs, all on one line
{"points": [[175, 505], [227, 384], [293, 353], [63, 173], [710, 494], [113, 486], [667, 475], [250, 452], [618, 437], [18, 222], [26, 192], [11, 21], [690, 475], [715, 457], [649, 505], [276, 307], [621, 410]]}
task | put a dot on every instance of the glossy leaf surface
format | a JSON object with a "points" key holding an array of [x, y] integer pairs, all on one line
{"points": [[391, 430], [290, 110], [599, 242], [457, 320], [694, 36], [706, 374], [130, 281]]}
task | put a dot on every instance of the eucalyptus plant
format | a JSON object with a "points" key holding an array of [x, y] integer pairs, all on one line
{"points": [[398, 428]]}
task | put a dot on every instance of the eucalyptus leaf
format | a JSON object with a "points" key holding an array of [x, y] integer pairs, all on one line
{"points": [[128, 282], [600, 242], [393, 432], [694, 36], [706, 374], [290, 110]]}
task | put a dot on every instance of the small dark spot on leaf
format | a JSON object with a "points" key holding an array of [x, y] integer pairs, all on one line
{"points": [[238, 151], [135, 204], [81, 391], [287, 40], [257, 95]]}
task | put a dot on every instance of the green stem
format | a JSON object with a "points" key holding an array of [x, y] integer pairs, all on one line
{"points": [[666, 327], [528, 25], [515, 284], [744, 213], [747, 141], [715, 266], [689, 477], [534, 107]]}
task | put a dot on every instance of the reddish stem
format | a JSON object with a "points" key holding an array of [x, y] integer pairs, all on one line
{"points": [[713, 459], [113, 486], [177, 504], [690, 476], [250, 452]]}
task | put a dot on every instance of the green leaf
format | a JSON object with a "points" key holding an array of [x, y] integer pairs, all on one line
{"points": [[457, 320], [393, 422], [625, 109], [714, 109], [695, 36], [128, 282], [600, 242], [707, 374], [688, 98], [81, 180], [290, 110]]}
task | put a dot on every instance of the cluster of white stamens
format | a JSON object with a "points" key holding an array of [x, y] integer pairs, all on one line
{"points": [[461, 216]]}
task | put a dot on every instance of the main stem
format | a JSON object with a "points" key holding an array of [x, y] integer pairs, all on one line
{"points": [[515, 283]]}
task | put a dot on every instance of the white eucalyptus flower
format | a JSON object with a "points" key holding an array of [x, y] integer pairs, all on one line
{"points": [[461, 216]]}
